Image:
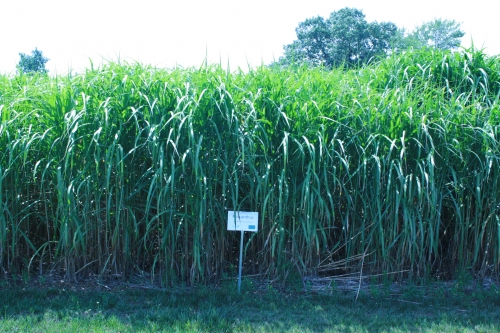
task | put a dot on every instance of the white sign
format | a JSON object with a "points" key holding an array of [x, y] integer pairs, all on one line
{"points": [[242, 221]]}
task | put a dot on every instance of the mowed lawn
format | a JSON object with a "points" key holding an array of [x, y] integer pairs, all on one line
{"points": [[127, 308]]}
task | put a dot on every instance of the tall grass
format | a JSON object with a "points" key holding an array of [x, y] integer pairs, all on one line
{"points": [[393, 167]]}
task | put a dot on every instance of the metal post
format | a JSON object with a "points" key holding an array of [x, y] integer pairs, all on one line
{"points": [[240, 263]]}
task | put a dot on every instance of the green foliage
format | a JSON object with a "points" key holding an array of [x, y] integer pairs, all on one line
{"points": [[439, 33], [34, 63], [128, 169], [344, 39], [347, 39]]}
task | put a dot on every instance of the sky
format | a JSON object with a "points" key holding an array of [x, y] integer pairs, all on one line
{"points": [[170, 33]]}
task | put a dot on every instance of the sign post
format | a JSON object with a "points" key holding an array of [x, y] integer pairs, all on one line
{"points": [[242, 221]]}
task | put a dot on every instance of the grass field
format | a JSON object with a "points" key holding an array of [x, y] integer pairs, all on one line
{"points": [[59, 307]]}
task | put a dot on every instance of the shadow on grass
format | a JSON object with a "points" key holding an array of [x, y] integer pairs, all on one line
{"points": [[222, 310]]}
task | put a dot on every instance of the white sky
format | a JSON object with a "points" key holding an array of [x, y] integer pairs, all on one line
{"points": [[185, 32]]}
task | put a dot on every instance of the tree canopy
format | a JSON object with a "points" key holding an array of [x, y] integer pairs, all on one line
{"points": [[438, 33], [345, 38], [32, 63]]}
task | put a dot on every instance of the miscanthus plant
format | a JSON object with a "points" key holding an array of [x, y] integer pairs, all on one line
{"points": [[127, 168]]}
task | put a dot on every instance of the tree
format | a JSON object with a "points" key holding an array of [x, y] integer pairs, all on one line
{"points": [[313, 44], [345, 38], [33, 63], [439, 34]]}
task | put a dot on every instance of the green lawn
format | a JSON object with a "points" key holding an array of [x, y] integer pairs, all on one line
{"points": [[78, 308]]}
